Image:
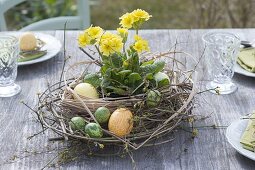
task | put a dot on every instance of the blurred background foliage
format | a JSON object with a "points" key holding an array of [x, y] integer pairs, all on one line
{"points": [[173, 14]]}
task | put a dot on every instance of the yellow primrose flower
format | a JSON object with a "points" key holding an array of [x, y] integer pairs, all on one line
{"points": [[139, 14], [107, 36], [127, 20], [94, 32], [110, 43], [106, 49], [124, 15], [84, 39], [122, 31], [116, 44], [140, 44], [145, 45]]}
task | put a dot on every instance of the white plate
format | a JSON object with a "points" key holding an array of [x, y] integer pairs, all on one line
{"points": [[240, 70], [52, 45], [234, 133]]}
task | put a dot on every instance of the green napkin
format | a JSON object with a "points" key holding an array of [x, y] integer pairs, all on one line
{"points": [[246, 59], [31, 55], [248, 138]]}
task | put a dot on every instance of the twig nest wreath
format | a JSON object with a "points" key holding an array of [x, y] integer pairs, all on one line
{"points": [[134, 98]]}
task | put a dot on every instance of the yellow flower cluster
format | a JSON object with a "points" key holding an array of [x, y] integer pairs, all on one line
{"points": [[90, 36], [110, 43], [129, 19], [140, 44]]}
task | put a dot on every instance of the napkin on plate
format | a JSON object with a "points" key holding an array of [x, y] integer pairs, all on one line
{"points": [[248, 137], [246, 59]]}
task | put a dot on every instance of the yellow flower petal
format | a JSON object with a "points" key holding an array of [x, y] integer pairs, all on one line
{"points": [[110, 43], [84, 40], [138, 46], [94, 32], [127, 21], [106, 49], [140, 14], [116, 44]]}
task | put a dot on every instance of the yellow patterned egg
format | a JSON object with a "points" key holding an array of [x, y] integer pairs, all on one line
{"points": [[28, 42]]}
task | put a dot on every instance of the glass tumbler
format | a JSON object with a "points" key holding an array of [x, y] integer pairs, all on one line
{"points": [[221, 49], [9, 52]]}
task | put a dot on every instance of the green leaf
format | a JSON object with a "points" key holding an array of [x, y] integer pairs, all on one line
{"points": [[149, 76], [112, 77], [134, 77], [153, 68], [161, 79], [51, 2], [118, 91], [105, 83], [116, 60], [147, 63], [159, 66], [124, 73], [115, 75], [93, 79], [27, 56], [132, 63], [93, 41], [106, 60], [104, 69]]}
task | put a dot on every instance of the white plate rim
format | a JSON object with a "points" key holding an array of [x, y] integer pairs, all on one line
{"points": [[240, 70], [54, 50], [237, 145]]}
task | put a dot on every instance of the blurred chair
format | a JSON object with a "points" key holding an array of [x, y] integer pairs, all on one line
{"points": [[81, 21]]}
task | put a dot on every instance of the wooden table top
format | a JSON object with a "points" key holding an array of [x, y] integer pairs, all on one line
{"points": [[209, 150]]}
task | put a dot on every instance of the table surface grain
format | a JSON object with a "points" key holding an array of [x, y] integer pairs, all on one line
{"points": [[209, 150]]}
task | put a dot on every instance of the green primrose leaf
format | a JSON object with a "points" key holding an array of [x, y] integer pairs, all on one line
{"points": [[117, 90], [147, 63], [159, 66], [104, 69], [124, 73], [134, 77], [116, 60], [153, 68], [161, 79], [132, 63], [149, 76], [93, 79], [93, 41]]}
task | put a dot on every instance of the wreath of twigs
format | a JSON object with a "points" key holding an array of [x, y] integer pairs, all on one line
{"points": [[59, 103]]}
